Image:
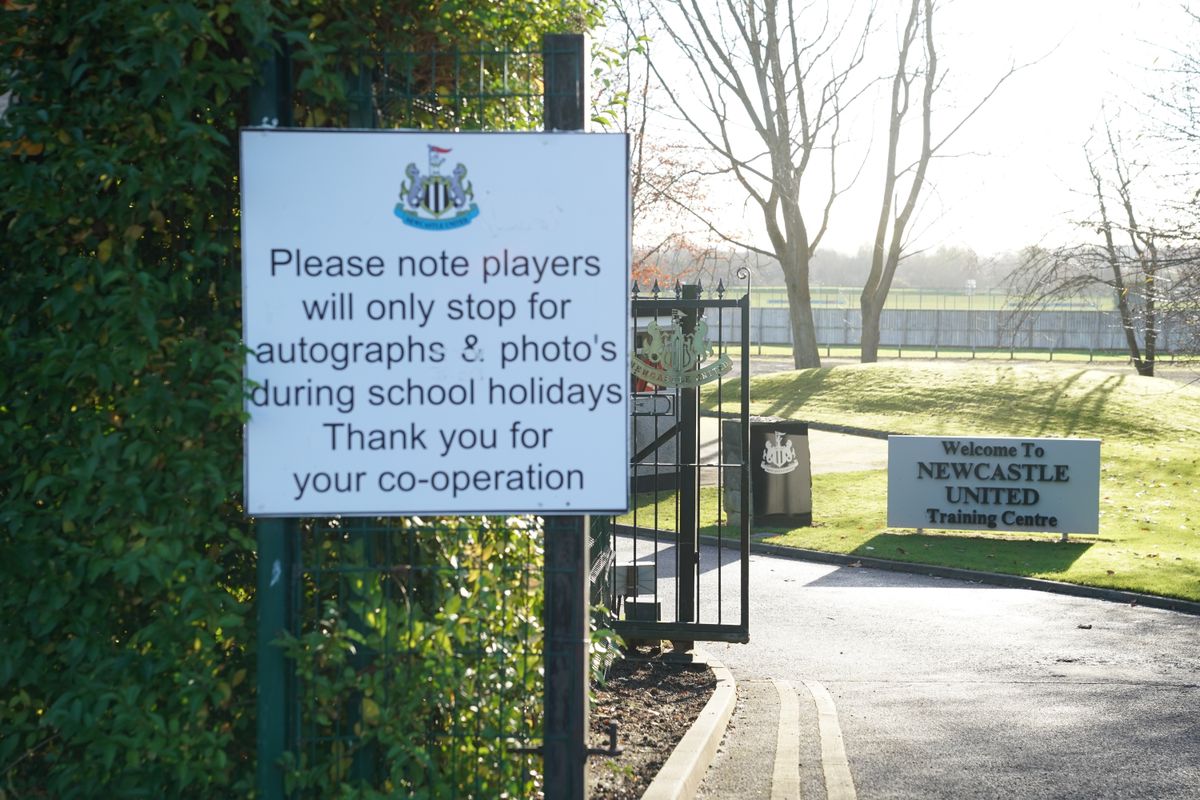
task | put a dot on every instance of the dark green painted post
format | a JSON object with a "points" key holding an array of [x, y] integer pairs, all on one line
{"points": [[362, 105], [567, 638], [270, 105], [564, 738], [270, 97], [366, 758], [564, 56], [276, 540]]}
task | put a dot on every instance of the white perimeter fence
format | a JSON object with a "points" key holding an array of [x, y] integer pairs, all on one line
{"points": [[1078, 330]]}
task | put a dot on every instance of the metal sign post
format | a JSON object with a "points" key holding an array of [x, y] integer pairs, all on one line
{"points": [[269, 105], [564, 740]]}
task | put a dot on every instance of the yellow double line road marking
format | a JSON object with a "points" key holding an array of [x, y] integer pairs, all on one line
{"points": [[785, 782]]}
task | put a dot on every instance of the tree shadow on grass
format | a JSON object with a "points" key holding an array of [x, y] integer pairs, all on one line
{"points": [[802, 392], [1055, 404], [1024, 557], [1080, 412], [799, 393]]}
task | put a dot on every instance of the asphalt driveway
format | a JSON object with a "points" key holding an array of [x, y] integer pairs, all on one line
{"points": [[948, 689]]}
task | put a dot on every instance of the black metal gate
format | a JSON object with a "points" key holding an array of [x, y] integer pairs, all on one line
{"points": [[679, 561]]}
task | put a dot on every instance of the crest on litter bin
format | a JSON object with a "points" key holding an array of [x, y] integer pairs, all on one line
{"points": [[779, 457], [672, 358]]}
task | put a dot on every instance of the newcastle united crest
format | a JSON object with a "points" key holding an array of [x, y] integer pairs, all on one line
{"points": [[779, 457], [433, 201], [672, 358]]}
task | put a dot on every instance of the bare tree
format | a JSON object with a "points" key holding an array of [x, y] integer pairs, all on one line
{"points": [[667, 191], [1148, 268], [779, 71], [1175, 119], [1178, 97], [1142, 240], [916, 71]]}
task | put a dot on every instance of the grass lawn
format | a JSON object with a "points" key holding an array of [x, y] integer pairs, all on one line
{"points": [[1149, 537]]}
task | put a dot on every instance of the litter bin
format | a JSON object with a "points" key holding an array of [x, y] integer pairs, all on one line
{"points": [[780, 472]]}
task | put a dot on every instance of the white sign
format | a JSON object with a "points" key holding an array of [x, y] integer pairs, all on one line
{"points": [[1049, 485], [437, 322]]}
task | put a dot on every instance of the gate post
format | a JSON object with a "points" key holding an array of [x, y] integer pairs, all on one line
{"points": [[689, 488], [567, 638]]}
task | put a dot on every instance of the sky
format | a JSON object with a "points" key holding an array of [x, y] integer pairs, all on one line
{"points": [[1029, 179], [1018, 175]]}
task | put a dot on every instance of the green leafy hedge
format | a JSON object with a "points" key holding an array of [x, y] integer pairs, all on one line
{"points": [[419, 659], [126, 566]]}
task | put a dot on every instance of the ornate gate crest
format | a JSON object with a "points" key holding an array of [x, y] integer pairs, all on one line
{"points": [[672, 358], [436, 202]]}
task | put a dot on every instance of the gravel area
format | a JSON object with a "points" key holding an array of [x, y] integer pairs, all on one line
{"points": [[653, 702]]}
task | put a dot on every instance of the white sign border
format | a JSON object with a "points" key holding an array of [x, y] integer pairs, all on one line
{"points": [[556, 510]]}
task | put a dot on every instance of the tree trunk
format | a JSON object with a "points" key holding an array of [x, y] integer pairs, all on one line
{"points": [[1142, 366], [1151, 326], [805, 354], [870, 332]]}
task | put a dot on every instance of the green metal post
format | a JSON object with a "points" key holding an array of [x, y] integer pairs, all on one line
{"points": [[270, 106], [362, 106], [564, 56], [567, 640], [564, 738], [275, 566], [270, 97], [363, 766]]}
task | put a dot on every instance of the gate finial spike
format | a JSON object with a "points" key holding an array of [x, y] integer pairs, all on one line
{"points": [[636, 289], [654, 290], [678, 288], [721, 288], [700, 287]]}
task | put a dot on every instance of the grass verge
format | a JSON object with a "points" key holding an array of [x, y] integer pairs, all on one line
{"points": [[1149, 537]]}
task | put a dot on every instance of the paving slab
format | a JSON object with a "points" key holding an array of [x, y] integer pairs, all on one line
{"points": [[744, 762]]}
